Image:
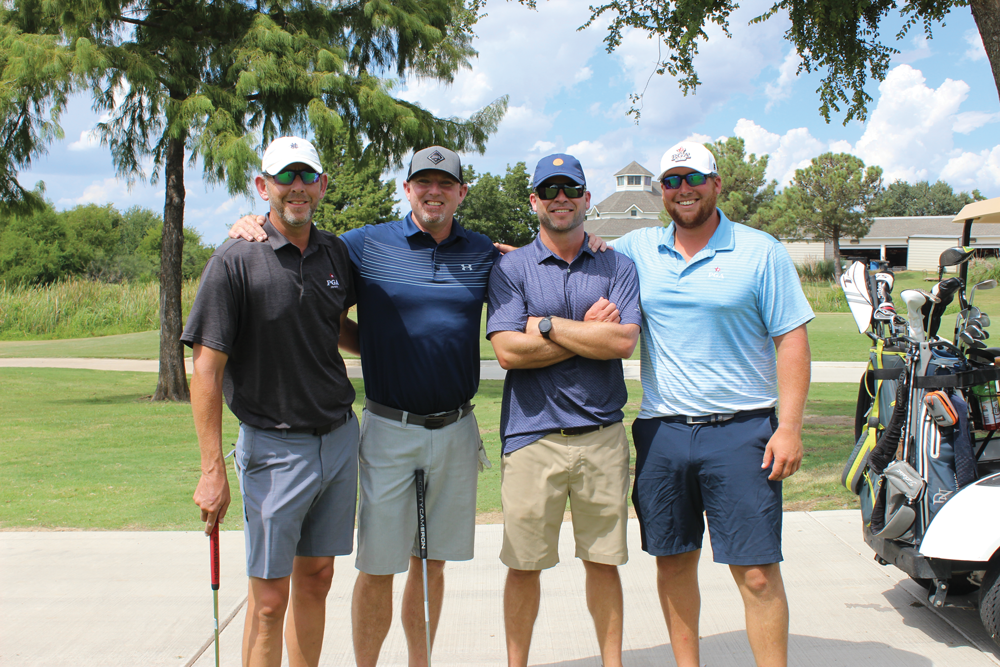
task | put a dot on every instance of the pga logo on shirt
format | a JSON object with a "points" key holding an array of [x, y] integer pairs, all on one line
{"points": [[333, 282]]}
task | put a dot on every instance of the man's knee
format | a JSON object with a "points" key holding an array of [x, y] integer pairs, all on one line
{"points": [[270, 598], [600, 570], [522, 577], [374, 584], [761, 581], [313, 576], [678, 565]]}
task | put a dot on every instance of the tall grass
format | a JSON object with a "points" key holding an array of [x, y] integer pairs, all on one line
{"points": [[825, 297], [81, 308]]}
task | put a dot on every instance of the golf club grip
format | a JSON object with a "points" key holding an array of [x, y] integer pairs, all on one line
{"points": [[421, 513], [213, 540]]}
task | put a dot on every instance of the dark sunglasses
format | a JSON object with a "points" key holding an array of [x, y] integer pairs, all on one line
{"points": [[694, 179], [552, 191], [287, 177]]}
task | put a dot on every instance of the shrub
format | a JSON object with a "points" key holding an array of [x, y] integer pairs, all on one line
{"points": [[816, 271]]}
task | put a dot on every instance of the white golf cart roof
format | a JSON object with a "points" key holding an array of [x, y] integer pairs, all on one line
{"points": [[980, 211]]}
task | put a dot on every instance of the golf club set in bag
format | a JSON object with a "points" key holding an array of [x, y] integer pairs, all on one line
{"points": [[924, 464]]}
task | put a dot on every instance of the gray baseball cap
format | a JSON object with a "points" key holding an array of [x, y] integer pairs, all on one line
{"points": [[438, 158]]}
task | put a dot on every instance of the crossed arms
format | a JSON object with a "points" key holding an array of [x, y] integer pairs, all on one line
{"points": [[599, 336]]}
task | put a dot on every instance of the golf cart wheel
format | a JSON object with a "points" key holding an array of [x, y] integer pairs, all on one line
{"points": [[957, 585], [989, 601]]}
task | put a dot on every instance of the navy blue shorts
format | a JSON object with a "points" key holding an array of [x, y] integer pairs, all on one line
{"points": [[683, 470]]}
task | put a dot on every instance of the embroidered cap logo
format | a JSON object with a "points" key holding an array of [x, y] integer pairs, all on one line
{"points": [[436, 157], [681, 155]]}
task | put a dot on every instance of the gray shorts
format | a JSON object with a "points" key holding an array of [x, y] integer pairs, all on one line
{"points": [[387, 517], [299, 495]]}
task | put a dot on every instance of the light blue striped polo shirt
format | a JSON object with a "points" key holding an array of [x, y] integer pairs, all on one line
{"points": [[707, 324]]}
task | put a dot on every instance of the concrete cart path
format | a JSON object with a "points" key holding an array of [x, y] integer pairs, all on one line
{"points": [[85, 599], [822, 371]]}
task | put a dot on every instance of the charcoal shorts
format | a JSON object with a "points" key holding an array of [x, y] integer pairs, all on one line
{"points": [[684, 470], [299, 495]]}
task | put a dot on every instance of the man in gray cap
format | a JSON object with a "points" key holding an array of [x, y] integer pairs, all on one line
{"points": [[561, 319], [261, 328], [421, 283]]}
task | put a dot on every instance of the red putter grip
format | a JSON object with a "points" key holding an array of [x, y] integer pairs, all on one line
{"points": [[214, 546]]}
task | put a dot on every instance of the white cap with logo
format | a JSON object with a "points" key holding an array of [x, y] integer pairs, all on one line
{"points": [[690, 154], [284, 151]]}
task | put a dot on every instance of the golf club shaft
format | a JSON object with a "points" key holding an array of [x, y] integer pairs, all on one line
{"points": [[422, 530], [214, 550]]}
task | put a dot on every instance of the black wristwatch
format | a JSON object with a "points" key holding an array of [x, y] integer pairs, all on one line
{"points": [[545, 327]]}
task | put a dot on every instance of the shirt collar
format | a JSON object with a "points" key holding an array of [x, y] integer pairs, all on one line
{"points": [[723, 239], [411, 230], [278, 240], [542, 251]]}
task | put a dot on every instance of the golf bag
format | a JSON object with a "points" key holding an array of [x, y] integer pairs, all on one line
{"points": [[902, 488]]}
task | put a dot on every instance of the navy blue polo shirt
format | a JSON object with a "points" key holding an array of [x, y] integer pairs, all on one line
{"points": [[420, 304], [276, 311], [534, 282]]}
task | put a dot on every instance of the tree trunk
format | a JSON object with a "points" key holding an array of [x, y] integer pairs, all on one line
{"points": [[172, 383], [987, 16], [835, 242]]}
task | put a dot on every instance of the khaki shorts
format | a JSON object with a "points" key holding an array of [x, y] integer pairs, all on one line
{"points": [[592, 471], [387, 515]]}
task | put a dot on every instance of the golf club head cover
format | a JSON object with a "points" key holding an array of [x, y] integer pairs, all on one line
{"points": [[885, 450], [945, 291]]}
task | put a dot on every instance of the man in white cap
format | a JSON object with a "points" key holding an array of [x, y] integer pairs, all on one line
{"points": [[264, 330], [723, 338]]}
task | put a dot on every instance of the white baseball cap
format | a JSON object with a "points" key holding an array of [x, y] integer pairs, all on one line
{"points": [[284, 151], [688, 154]]}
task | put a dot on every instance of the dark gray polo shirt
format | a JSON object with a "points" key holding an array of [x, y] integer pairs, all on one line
{"points": [[533, 282], [276, 312]]}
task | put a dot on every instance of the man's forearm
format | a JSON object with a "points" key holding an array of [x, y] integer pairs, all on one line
{"points": [[793, 359], [595, 340], [349, 335], [521, 350], [206, 406]]}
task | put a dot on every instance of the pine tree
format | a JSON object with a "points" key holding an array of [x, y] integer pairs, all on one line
{"points": [[500, 207], [218, 80]]}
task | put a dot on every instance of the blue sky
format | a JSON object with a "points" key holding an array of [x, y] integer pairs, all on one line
{"points": [[934, 117]]}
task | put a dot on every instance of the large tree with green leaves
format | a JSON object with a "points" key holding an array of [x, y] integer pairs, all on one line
{"points": [[841, 38], [921, 198], [827, 201], [215, 81], [745, 189], [356, 195], [500, 206]]}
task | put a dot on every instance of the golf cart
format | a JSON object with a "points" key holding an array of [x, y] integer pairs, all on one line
{"points": [[926, 465]]}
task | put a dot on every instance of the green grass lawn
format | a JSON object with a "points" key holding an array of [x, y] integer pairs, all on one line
{"points": [[88, 450]]}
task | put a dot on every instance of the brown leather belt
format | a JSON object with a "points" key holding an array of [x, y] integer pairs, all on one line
{"points": [[580, 430]]}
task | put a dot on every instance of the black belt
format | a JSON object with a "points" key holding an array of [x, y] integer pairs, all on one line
{"points": [[434, 421], [579, 430], [716, 418], [319, 430]]}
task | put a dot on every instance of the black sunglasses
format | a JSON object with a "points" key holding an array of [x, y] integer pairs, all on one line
{"points": [[551, 191], [287, 177], [694, 179]]}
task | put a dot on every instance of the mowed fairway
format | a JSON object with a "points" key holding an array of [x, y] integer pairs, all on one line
{"points": [[88, 450]]}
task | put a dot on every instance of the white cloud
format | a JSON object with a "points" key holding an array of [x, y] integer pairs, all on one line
{"points": [[976, 51], [781, 88], [583, 74], [909, 133], [542, 147], [970, 121], [968, 171], [88, 139], [921, 49], [595, 108], [793, 150]]}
